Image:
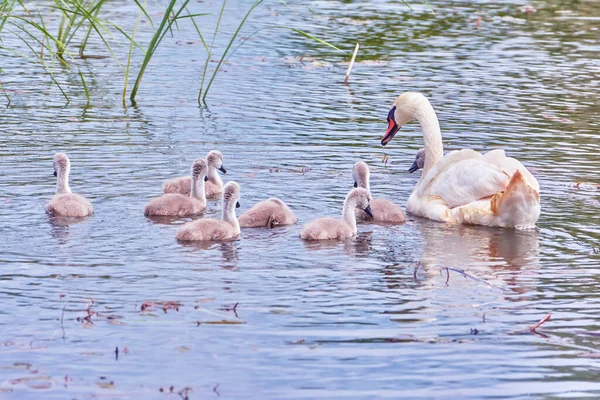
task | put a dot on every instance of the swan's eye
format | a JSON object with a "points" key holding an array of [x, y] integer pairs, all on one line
{"points": [[391, 114]]}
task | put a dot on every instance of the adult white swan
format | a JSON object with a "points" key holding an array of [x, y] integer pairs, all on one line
{"points": [[465, 186]]}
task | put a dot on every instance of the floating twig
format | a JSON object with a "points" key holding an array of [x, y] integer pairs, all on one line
{"points": [[183, 393], [62, 315], [466, 275], [533, 328], [216, 391], [416, 269], [540, 323], [351, 64], [117, 353]]}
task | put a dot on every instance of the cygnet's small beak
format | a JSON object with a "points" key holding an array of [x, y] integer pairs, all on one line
{"points": [[237, 204], [55, 174], [206, 179], [355, 184], [223, 170], [368, 211], [413, 167]]}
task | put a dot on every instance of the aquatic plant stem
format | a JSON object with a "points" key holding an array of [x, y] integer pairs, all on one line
{"points": [[137, 23], [210, 49], [87, 93]]}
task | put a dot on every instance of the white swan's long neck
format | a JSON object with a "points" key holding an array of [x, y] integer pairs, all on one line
{"points": [[62, 181], [197, 191], [432, 135], [348, 213], [229, 214], [213, 176]]}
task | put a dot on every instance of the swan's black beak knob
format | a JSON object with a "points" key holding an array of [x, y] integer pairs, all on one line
{"points": [[55, 174], [206, 179], [368, 211], [223, 170], [237, 204], [355, 184]]}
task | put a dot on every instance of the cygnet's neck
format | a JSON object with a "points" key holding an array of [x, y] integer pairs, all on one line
{"points": [[363, 182], [197, 191], [62, 182], [213, 175], [229, 214], [432, 135], [348, 213]]}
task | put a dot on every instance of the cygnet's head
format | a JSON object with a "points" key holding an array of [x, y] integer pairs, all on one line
{"points": [[419, 161], [403, 111], [214, 158], [231, 194], [199, 169], [360, 174], [361, 199], [61, 164]]}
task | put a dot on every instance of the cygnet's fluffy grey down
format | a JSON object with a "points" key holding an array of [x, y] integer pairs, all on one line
{"points": [[213, 185], [268, 213], [419, 161], [180, 205], [64, 203], [209, 229], [382, 210], [333, 228]]}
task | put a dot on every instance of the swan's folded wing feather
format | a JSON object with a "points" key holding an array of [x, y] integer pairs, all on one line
{"points": [[510, 165], [449, 159], [466, 181]]}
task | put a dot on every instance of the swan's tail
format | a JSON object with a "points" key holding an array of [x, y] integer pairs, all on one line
{"points": [[518, 206]]}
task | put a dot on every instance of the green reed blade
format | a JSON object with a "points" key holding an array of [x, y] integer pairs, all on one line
{"points": [[197, 29], [210, 49], [87, 94], [150, 51], [233, 37], [137, 23]]}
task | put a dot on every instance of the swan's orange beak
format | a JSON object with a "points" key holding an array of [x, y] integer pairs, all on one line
{"points": [[392, 128]]}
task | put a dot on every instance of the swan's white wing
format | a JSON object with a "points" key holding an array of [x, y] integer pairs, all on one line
{"points": [[449, 159], [466, 181], [510, 165]]}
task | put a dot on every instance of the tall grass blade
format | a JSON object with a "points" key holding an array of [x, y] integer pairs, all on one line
{"points": [[407, 5], [210, 49], [151, 48], [197, 29], [143, 10], [85, 89], [137, 23], [428, 6], [308, 35], [233, 37], [5, 94]]}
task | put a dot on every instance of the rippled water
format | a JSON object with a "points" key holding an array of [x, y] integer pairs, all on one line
{"points": [[353, 319]]}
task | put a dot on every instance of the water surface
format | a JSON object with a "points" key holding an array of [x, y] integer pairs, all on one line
{"points": [[349, 320]]}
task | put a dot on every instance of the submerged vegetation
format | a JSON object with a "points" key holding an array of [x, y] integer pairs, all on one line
{"points": [[56, 34]]}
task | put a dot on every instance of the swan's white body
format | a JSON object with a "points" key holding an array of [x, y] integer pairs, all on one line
{"points": [[465, 187]]}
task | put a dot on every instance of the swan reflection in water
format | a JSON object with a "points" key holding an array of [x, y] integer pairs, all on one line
{"points": [[498, 256], [359, 246], [228, 249]]}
